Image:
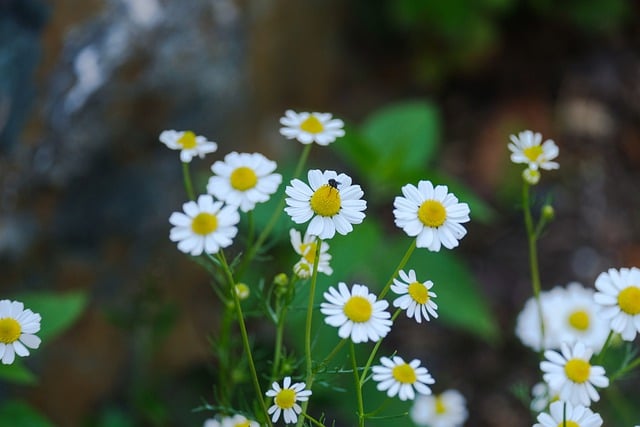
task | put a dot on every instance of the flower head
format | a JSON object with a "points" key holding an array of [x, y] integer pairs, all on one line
{"points": [[528, 328], [571, 374], [432, 215], [311, 127], [619, 296], [188, 143], [205, 226], [400, 378], [356, 313], [415, 296], [306, 247], [448, 409], [330, 201], [244, 180], [564, 413], [527, 148], [235, 421], [285, 400], [17, 330]]}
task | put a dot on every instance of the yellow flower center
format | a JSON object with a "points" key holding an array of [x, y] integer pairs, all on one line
{"points": [[326, 201], [533, 153], [204, 223], [310, 254], [312, 125], [629, 300], [10, 330], [568, 423], [243, 178], [579, 320], [286, 398], [404, 374], [188, 140], [577, 370], [358, 309], [419, 292], [245, 423], [432, 213], [440, 406]]}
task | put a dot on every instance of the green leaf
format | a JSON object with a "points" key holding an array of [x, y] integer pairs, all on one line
{"points": [[15, 413], [58, 311], [17, 373]]}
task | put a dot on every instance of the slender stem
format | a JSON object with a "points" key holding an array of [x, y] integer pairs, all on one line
{"points": [[278, 349], [358, 384], [600, 357], [400, 266], [631, 366], [313, 420], [533, 258], [245, 336], [253, 250], [331, 355], [186, 176], [375, 350], [224, 356]]}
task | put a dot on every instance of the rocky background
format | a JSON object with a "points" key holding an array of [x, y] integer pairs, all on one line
{"points": [[86, 188]]}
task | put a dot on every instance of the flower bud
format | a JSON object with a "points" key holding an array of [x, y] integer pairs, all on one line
{"points": [[548, 213], [531, 176], [281, 280], [242, 291]]}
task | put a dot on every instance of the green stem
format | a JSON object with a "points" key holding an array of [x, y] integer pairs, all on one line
{"points": [[313, 420], [600, 357], [533, 259], [331, 355], [621, 372], [358, 384], [186, 177], [224, 357], [375, 350], [245, 336], [278, 349], [400, 266], [253, 250]]}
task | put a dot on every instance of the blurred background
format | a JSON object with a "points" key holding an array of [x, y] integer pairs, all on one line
{"points": [[86, 188]]}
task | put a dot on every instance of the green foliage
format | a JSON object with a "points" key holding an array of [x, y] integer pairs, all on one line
{"points": [[14, 413], [17, 373]]}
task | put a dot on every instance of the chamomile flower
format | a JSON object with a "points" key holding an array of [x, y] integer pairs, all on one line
{"points": [[619, 296], [243, 180], [432, 215], [415, 297], [571, 374], [306, 247], [448, 409], [311, 127], [330, 201], [528, 148], [564, 413], [400, 378], [576, 318], [528, 328], [204, 226], [356, 313], [188, 143], [17, 330], [235, 421], [285, 400]]}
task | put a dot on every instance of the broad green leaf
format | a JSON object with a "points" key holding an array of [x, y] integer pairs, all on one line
{"points": [[58, 311], [15, 413], [17, 373]]}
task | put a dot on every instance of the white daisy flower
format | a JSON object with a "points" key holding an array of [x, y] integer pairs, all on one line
{"points": [[564, 413], [400, 378], [576, 318], [311, 127], [572, 375], [619, 296], [448, 409], [285, 398], [188, 143], [356, 313], [330, 201], [205, 226], [528, 322], [527, 148], [541, 396], [306, 248], [433, 215], [416, 297], [235, 421], [244, 180], [17, 330]]}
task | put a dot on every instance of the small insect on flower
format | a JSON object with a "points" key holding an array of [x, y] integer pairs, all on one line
{"points": [[333, 183]]}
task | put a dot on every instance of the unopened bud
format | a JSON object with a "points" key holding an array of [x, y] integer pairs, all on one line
{"points": [[281, 280], [302, 269], [548, 213], [242, 291], [532, 176]]}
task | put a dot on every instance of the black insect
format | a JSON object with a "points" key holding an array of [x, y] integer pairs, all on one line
{"points": [[333, 183]]}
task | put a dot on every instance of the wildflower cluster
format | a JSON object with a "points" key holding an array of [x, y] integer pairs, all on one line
{"points": [[326, 203], [568, 326]]}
